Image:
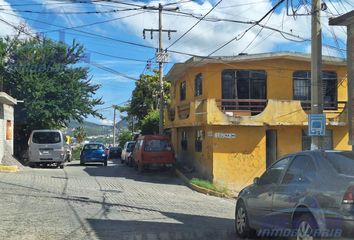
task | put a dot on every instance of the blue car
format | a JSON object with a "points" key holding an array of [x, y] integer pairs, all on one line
{"points": [[93, 152]]}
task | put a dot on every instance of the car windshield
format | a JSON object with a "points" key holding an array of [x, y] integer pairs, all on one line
{"points": [[93, 147], [157, 145], [46, 137], [342, 162]]}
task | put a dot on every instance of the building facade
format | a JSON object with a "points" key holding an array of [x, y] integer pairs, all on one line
{"points": [[6, 124], [231, 117]]}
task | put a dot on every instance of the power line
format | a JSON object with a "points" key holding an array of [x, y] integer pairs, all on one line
{"points": [[118, 57], [74, 12], [241, 35], [89, 33], [190, 29], [94, 23], [107, 69]]}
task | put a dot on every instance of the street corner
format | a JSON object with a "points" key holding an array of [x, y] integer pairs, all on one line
{"points": [[11, 168]]}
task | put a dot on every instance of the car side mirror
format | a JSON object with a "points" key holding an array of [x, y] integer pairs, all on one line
{"points": [[256, 180]]}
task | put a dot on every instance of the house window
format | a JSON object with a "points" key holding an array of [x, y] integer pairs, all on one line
{"points": [[243, 85], [302, 88], [198, 84], [184, 141], [182, 91], [327, 140], [199, 140]]}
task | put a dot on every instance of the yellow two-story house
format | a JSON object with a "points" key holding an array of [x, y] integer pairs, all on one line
{"points": [[231, 117]]}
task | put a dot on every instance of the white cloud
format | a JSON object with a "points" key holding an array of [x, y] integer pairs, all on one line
{"points": [[13, 21], [106, 122], [208, 36], [104, 78]]}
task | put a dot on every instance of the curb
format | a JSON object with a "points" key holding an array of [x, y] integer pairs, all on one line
{"points": [[12, 168], [200, 189]]}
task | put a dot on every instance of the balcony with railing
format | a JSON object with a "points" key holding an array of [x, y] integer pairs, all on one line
{"points": [[241, 107], [334, 107]]}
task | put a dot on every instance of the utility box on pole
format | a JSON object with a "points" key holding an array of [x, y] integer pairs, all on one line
{"points": [[348, 21]]}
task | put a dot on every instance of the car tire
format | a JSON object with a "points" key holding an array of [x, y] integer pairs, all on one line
{"points": [[305, 225], [61, 166], [242, 227], [32, 165]]}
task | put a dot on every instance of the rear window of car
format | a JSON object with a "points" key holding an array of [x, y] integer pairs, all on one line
{"points": [[157, 145], [130, 146], [46, 137], [342, 162], [93, 147]]}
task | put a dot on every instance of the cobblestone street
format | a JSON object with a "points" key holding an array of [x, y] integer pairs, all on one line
{"points": [[114, 202]]}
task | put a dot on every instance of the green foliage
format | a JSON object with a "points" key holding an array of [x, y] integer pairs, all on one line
{"points": [[76, 153], [46, 76], [150, 124], [145, 98], [124, 136], [80, 134], [208, 185]]}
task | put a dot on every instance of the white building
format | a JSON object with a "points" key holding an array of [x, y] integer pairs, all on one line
{"points": [[7, 104]]}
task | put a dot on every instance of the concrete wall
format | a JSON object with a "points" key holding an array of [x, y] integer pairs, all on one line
{"points": [[9, 116]]}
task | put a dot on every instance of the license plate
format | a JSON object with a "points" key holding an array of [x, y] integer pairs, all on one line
{"points": [[45, 152]]}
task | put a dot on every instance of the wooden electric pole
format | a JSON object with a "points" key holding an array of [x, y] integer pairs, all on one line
{"points": [[161, 58]]}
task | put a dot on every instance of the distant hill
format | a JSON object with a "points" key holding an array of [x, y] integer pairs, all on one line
{"points": [[94, 129]]}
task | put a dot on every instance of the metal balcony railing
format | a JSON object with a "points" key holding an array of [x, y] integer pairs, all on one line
{"points": [[242, 106]]}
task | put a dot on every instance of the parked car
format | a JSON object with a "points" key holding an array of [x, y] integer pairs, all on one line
{"points": [[152, 150], [127, 152], [114, 152], [47, 147], [93, 152], [308, 194]]}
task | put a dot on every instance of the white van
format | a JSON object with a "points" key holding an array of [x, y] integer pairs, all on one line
{"points": [[47, 147]]}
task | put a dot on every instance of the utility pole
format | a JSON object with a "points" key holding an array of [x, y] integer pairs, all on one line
{"points": [[161, 58], [316, 65], [114, 125]]}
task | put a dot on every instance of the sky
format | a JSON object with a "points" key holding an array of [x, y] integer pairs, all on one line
{"points": [[117, 53]]}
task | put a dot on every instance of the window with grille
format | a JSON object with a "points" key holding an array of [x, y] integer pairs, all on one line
{"points": [[302, 88], [199, 140], [184, 140], [198, 83], [182, 91]]}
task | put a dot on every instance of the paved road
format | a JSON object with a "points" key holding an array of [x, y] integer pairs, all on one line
{"points": [[114, 202]]}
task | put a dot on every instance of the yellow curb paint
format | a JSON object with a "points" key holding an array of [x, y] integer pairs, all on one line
{"points": [[4, 168], [200, 189]]}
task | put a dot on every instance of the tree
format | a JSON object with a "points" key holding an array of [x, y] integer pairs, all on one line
{"points": [[145, 97], [46, 76], [124, 136], [80, 134], [150, 124]]}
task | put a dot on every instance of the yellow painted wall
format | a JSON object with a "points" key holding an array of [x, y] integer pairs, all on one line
{"points": [[202, 160], [289, 140], [279, 78], [340, 138], [237, 161]]}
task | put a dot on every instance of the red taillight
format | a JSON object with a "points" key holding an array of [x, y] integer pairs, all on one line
{"points": [[349, 195]]}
